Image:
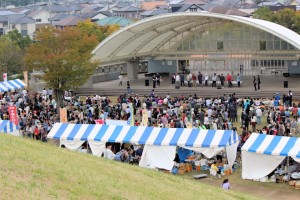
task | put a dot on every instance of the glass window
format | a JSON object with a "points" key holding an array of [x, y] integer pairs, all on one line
{"points": [[262, 45], [284, 45], [220, 45]]}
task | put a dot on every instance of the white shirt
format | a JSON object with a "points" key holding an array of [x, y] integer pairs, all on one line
{"points": [[108, 154], [177, 78], [258, 112]]}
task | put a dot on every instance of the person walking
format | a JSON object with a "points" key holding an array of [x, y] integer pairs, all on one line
{"points": [[258, 82], [254, 83]]}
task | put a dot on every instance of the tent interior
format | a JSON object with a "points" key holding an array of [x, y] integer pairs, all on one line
{"points": [[267, 155], [160, 144]]}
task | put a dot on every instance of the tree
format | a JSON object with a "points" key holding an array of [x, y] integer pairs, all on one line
{"points": [[101, 32], [286, 17], [22, 41], [10, 56], [263, 13], [64, 55]]}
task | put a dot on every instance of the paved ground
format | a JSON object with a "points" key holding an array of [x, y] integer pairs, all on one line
{"points": [[269, 86]]}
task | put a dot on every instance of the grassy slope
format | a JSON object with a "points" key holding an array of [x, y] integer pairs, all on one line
{"points": [[32, 170]]}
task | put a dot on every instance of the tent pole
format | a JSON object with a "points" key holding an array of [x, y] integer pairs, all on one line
{"points": [[287, 168]]}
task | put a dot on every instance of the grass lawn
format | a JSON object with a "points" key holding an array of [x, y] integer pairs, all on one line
{"points": [[34, 170]]}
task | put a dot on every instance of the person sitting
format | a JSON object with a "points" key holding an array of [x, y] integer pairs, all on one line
{"points": [[139, 152], [108, 154], [122, 156], [226, 185]]}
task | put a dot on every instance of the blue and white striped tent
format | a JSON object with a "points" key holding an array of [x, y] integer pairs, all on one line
{"points": [[273, 145], [11, 85], [261, 154], [144, 135], [7, 126]]}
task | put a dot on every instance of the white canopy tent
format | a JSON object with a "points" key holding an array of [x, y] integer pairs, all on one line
{"points": [[261, 154], [162, 140]]}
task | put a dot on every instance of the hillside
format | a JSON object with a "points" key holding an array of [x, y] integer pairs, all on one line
{"points": [[33, 170]]}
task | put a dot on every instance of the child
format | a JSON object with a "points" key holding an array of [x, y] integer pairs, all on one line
{"points": [[226, 185]]}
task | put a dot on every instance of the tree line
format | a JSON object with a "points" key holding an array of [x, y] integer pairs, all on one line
{"points": [[286, 17], [64, 55]]}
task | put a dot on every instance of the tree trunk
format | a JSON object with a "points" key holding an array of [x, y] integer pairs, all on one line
{"points": [[58, 98]]}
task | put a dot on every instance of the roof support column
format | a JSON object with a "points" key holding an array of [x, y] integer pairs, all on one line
{"points": [[132, 70]]}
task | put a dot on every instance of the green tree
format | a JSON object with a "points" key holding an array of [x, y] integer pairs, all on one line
{"points": [[264, 13], [101, 32], [64, 56], [286, 17], [10, 56], [22, 41]]}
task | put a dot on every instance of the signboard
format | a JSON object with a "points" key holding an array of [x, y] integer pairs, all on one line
{"points": [[5, 77], [63, 115], [25, 73], [13, 115]]}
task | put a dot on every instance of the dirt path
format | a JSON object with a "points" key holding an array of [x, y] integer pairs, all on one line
{"points": [[261, 192]]}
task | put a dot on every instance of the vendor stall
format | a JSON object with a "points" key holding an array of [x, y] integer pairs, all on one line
{"points": [[163, 140], [11, 85], [261, 154]]}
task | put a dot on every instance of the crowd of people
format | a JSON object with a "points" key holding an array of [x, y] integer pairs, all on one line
{"points": [[280, 114], [193, 80]]}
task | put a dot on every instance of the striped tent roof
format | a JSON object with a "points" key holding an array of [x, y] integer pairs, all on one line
{"points": [[144, 135], [273, 145], [11, 85], [7, 126]]}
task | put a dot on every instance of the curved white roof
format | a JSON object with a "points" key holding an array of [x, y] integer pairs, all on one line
{"points": [[146, 36]]}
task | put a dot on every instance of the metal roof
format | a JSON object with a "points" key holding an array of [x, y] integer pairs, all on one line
{"points": [[121, 21], [145, 36]]}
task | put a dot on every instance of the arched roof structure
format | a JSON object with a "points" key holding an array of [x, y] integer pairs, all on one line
{"points": [[147, 37]]}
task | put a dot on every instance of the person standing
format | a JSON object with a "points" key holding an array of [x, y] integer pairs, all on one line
{"points": [[120, 80], [129, 91], [206, 79], [200, 78], [154, 81], [182, 80], [258, 82], [214, 80], [158, 79], [177, 80], [238, 80], [229, 80], [254, 82], [290, 94], [222, 80]]}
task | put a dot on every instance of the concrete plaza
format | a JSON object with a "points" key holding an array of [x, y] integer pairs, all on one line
{"points": [[270, 84]]}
